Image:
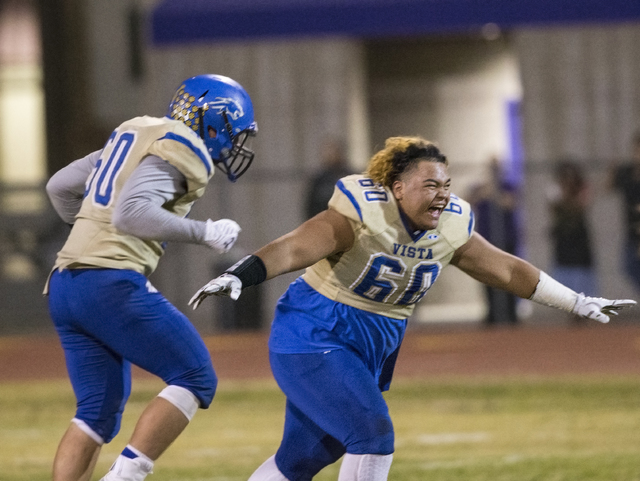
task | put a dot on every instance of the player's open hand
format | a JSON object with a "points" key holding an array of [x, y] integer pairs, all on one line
{"points": [[224, 285], [600, 309]]}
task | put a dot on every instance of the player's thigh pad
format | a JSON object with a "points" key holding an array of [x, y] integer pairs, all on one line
{"points": [[101, 381], [336, 392], [122, 310]]}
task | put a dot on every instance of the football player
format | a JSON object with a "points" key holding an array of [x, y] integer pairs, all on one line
{"points": [[370, 257], [123, 202]]}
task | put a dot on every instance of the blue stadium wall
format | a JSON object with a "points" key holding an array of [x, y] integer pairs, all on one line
{"points": [[187, 21]]}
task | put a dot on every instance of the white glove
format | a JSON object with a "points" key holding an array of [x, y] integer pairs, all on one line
{"points": [[221, 234], [224, 285], [598, 308]]}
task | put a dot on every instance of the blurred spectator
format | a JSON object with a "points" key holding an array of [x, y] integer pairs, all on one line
{"points": [[626, 179], [334, 166], [494, 204], [570, 231]]}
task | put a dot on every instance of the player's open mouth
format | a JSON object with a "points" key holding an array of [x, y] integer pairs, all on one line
{"points": [[435, 211]]}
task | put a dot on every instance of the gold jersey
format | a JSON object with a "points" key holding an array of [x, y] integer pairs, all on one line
{"points": [[389, 268], [94, 241]]}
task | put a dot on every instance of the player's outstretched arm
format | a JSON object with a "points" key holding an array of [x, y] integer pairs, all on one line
{"points": [[327, 233], [496, 268]]}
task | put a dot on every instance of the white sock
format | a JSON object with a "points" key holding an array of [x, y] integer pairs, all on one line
{"points": [[130, 465], [268, 471], [365, 467]]}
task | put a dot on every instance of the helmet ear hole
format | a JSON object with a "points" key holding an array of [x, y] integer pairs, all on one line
{"points": [[213, 133]]}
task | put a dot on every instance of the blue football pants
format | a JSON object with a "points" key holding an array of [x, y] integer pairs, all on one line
{"points": [[334, 405], [109, 318]]}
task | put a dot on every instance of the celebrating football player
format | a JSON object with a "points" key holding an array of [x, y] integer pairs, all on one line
{"points": [[124, 201], [370, 257]]}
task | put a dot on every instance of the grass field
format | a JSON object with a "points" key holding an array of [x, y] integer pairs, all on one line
{"points": [[551, 429]]}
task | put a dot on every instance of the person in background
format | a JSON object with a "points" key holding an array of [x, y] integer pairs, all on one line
{"points": [[370, 257], [573, 258], [123, 203], [320, 186], [625, 179], [495, 206]]}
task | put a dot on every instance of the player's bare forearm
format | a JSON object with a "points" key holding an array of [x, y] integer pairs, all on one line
{"points": [[496, 268], [325, 234], [524, 278]]}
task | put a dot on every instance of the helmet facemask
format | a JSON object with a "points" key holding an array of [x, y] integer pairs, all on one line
{"points": [[235, 155]]}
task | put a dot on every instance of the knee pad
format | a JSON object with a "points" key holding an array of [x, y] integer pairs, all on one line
{"points": [[181, 398]]}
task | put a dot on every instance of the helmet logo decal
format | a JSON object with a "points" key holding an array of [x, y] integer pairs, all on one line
{"points": [[233, 108]]}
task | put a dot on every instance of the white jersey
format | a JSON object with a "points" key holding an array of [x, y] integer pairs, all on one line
{"points": [[389, 268], [94, 241]]}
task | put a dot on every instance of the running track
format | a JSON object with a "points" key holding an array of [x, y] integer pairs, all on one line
{"points": [[430, 352]]}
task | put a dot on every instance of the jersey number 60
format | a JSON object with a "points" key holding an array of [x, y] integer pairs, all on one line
{"points": [[380, 279], [106, 172]]}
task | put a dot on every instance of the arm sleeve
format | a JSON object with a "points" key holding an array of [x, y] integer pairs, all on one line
{"points": [[139, 210], [66, 188]]}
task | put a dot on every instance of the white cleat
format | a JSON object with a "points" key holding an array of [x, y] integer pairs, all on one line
{"points": [[126, 469]]}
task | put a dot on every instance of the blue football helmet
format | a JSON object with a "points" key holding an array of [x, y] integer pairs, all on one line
{"points": [[220, 111]]}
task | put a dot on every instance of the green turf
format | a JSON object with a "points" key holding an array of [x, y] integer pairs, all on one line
{"points": [[488, 430]]}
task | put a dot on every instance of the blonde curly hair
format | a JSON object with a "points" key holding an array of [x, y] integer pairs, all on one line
{"points": [[399, 155]]}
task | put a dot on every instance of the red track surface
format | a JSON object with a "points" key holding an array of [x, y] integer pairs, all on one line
{"points": [[612, 349]]}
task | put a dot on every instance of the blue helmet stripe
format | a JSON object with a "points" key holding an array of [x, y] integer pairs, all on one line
{"points": [[193, 148], [350, 197]]}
